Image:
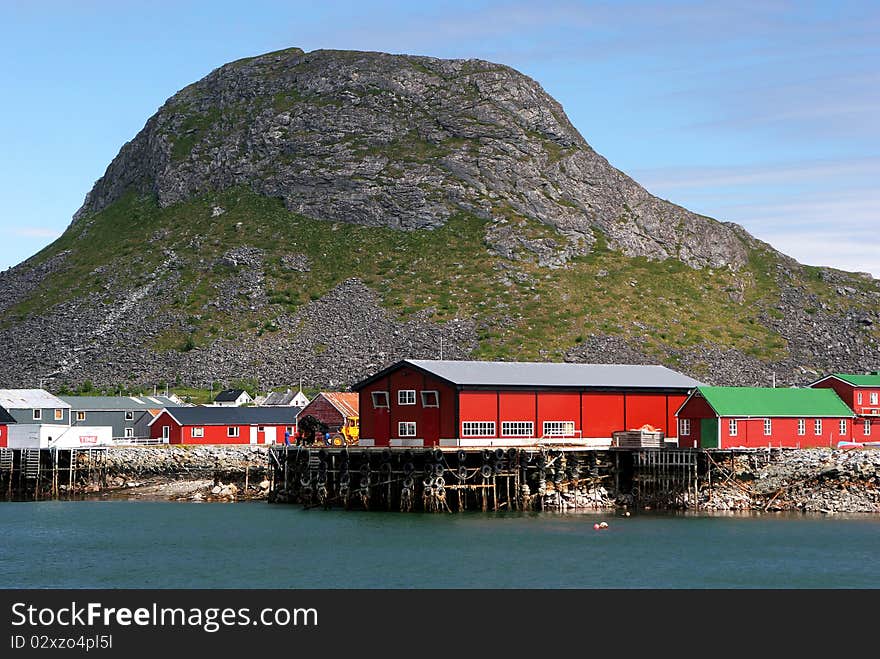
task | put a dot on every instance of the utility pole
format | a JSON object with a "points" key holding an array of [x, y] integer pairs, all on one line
{"points": [[774, 379], [441, 348]]}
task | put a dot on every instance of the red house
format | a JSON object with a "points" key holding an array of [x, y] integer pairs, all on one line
{"points": [[5, 419], [224, 425], [471, 403], [335, 409], [862, 394], [726, 417]]}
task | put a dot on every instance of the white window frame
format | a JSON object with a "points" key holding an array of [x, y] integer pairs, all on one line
{"points": [[406, 396], [768, 427], [129, 416], [166, 433], [732, 427], [558, 428], [232, 431], [406, 428], [197, 432], [80, 415], [802, 427], [817, 426], [477, 428], [873, 398], [517, 428], [867, 427], [859, 397], [59, 415], [376, 396], [129, 433], [843, 426], [38, 414], [684, 427], [428, 392]]}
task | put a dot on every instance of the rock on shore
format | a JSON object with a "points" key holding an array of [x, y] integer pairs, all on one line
{"points": [[197, 473], [812, 480]]}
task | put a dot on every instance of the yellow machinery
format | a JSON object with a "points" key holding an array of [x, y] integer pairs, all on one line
{"points": [[348, 434]]}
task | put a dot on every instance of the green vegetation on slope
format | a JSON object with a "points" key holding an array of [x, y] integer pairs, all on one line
{"points": [[524, 311]]}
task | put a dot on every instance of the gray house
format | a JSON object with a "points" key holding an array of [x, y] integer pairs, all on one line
{"points": [[129, 416], [35, 406]]}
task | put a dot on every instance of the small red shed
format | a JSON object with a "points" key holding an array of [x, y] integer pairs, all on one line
{"points": [[332, 408], [224, 425], [5, 419], [862, 394], [725, 417], [473, 403]]}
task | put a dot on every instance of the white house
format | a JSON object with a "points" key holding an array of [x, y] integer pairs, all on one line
{"points": [[233, 398]]}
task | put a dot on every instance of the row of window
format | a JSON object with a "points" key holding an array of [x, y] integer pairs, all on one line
{"points": [[430, 398], [873, 398], [684, 427], [516, 428], [80, 416], [231, 431]]}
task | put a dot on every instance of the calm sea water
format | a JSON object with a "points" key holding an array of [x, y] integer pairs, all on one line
{"points": [[87, 544]]}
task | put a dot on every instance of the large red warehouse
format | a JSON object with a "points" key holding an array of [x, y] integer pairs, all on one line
{"points": [[862, 394], [727, 417], [224, 425], [471, 403]]}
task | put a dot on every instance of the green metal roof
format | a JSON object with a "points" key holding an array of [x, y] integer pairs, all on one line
{"points": [[872, 380], [764, 401]]}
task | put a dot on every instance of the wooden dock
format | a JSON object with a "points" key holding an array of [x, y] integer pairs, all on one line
{"points": [[489, 479], [32, 474]]}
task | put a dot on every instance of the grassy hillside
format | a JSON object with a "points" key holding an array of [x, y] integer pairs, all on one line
{"points": [[524, 311]]}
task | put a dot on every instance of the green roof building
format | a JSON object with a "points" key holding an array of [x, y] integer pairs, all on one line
{"points": [[726, 417], [861, 392]]}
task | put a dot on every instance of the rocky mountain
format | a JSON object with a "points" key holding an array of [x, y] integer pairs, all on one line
{"points": [[322, 214]]}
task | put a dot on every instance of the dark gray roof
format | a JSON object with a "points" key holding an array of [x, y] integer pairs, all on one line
{"points": [[229, 396], [279, 397], [6, 417], [102, 403], [537, 374], [228, 416]]}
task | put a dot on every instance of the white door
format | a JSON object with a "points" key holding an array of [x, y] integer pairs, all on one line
{"points": [[253, 434], [166, 433], [270, 435]]}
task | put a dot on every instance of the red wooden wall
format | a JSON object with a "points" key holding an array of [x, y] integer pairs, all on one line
{"points": [[432, 423], [750, 433], [215, 434], [595, 415], [324, 411]]}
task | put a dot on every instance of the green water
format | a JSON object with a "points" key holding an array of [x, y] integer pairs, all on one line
{"points": [[128, 544]]}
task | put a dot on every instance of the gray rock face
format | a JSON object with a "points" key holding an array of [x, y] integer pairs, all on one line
{"points": [[405, 142], [387, 141], [17, 283]]}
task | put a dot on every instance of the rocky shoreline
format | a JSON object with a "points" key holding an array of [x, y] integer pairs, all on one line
{"points": [[186, 473], [807, 480]]}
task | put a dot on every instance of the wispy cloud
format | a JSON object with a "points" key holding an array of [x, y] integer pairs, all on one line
{"points": [[824, 212], [34, 232], [798, 173], [834, 249]]}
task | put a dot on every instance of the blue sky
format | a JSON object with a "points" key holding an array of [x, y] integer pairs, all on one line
{"points": [[762, 113]]}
